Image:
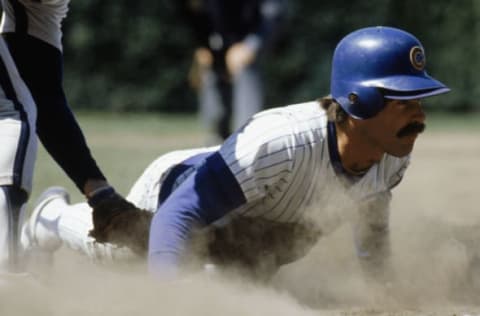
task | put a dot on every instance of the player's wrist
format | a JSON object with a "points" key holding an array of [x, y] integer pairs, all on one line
{"points": [[97, 196], [94, 185]]}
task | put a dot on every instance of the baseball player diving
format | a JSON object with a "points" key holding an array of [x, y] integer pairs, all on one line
{"points": [[32, 102], [291, 175]]}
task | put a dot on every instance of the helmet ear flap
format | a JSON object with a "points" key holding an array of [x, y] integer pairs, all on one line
{"points": [[361, 102]]}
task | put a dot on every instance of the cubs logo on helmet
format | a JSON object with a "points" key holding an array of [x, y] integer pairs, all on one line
{"points": [[375, 63]]}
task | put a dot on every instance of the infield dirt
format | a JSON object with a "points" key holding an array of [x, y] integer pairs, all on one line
{"points": [[434, 240]]}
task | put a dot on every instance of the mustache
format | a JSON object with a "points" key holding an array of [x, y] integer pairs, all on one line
{"points": [[412, 128]]}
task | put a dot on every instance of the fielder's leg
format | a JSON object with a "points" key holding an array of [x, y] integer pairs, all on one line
{"points": [[55, 221], [12, 201], [17, 156], [212, 110], [247, 95]]}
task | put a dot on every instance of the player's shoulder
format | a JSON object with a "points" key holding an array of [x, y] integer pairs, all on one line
{"points": [[183, 154], [298, 116], [283, 129], [311, 108], [289, 119]]}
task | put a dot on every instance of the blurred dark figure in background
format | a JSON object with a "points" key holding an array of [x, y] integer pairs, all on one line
{"points": [[231, 35]]}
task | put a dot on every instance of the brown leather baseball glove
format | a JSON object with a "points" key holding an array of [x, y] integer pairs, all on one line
{"points": [[117, 221]]}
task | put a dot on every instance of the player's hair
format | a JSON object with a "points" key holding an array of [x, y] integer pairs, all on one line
{"points": [[335, 113]]}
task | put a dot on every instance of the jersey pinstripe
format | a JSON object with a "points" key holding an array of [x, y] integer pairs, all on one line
{"points": [[40, 19], [281, 161]]}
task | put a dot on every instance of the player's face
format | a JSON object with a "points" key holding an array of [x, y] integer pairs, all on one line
{"points": [[397, 126]]}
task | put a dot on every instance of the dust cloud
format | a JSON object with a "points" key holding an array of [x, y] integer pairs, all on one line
{"points": [[435, 230], [436, 256], [79, 288]]}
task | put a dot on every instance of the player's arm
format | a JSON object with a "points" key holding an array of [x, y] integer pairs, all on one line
{"points": [[205, 196], [372, 238], [238, 173], [57, 127], [371, 228]]}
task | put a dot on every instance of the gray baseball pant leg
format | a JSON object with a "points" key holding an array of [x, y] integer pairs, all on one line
{"points": [[12, 202], [247, 95]]}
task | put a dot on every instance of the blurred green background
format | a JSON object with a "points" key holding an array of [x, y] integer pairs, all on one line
{"points": [[134, 55], [125, 144], [127, 63]]}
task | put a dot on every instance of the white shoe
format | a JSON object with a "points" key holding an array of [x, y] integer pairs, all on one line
{"points": [[39, 234]]}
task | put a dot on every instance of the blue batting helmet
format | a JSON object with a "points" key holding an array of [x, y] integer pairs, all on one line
{"points": [[376, 63]]}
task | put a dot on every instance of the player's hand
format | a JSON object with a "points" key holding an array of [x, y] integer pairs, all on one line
{"points": [[117, 221], [239, 56], [202, 60]]}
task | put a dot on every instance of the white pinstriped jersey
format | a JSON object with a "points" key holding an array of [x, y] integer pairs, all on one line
{"points": [[44, 19], [271, 190], [281, 161]]}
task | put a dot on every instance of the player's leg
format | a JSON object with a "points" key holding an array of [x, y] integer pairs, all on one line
{"points": [[225, 88], [145, 191], [12, 202], [57, 127], [247, 95], [39, 238], [211, 105], [26, 29], [54, 221], [17, 157]]}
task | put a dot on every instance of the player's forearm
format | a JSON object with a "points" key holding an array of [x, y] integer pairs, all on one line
{"points": [[65, 142], [172, 226], [168, 240], [375, 256], [372, 238], [197, 202]]}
